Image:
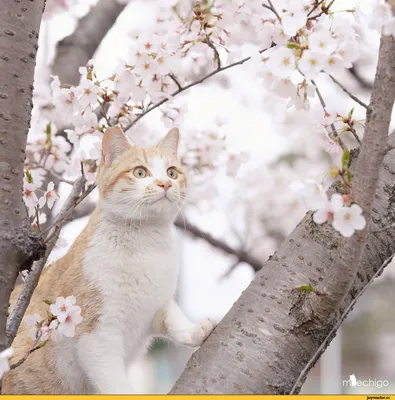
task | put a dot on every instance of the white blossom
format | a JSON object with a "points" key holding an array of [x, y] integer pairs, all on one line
{"points": [[328, 209], [49, 197], [281, 62], [347, 220], [68, 315], [311, 64]]}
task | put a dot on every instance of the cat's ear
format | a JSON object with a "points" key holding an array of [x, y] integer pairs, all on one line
{"points": [[170, 141], [114, 144]]}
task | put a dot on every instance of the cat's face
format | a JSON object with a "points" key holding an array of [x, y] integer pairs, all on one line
{"points": [[141, 183]]}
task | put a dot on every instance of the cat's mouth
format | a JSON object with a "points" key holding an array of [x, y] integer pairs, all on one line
{"points": [[163, 197]]}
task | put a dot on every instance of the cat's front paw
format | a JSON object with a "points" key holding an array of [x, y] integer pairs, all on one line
{"points": [[202, 331]]}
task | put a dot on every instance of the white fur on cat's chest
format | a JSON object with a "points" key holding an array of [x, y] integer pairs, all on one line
{"points": [[136, 275]]}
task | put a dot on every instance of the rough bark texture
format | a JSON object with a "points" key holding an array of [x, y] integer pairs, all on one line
{"points": [[20, 24], [77, 49], [366, 171], [272, 331]]}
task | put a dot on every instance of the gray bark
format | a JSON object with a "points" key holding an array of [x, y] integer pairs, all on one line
{"points": [[20, 24], [77, 49], [272, 331]]}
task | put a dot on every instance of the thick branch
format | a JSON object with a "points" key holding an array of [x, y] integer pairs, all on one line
{"points": [[77, 49], [366, 173], [32, 279], [20, 24], [263, 343], [273, 331], [196, 232]]}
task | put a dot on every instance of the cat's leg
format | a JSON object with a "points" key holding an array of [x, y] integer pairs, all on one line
{"points": [[172, 323], [103, 361]]}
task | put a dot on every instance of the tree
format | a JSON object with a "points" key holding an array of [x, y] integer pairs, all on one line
{"points": [[288, 315]]}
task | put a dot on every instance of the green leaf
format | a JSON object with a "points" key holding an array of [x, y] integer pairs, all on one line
{"points": [[349, 176], [306, 288], [29, 176], [345, 159], [48, 302], [351, 112], [293, 46]]}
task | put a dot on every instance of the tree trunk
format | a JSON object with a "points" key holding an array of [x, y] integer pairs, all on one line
{"points": [[273, 331], [76, 50], [20, 24]]}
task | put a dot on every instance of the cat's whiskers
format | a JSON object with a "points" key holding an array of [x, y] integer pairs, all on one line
{"points": [[182, 216]]}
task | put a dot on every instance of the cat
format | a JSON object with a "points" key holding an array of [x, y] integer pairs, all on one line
{"points": [[123, 271]]}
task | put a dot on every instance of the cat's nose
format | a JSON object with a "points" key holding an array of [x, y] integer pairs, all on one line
{"points": [[166, 185]]}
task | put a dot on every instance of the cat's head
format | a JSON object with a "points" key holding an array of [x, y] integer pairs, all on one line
{"points": [[141, 183]]}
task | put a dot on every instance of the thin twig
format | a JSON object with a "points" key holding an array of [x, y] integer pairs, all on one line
{"points": [[216, 54], [33, 348], [61, 220], [315, 7], [184, 88], [274, 10], [333, 128], [360, 102], [175, 80], [354, 132], [320, 350]]}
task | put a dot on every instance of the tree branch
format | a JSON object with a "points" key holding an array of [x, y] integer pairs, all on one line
{"points": [[197, 233], [370, 159], [35, 346], [186, 87], [18, 48], [77, 49], [361, 81], [332, 333], [360, 102], [272, 331], [333, 128], [32, 279], [267, 338]]}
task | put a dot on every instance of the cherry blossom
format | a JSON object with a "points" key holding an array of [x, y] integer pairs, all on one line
{"points": [[321, 41], [30, 196], [281, 61], [68, 315], [312, 193], [34, 322], [4, 356], [49, 197], [347, 220], [329, 209], [311, 64]]}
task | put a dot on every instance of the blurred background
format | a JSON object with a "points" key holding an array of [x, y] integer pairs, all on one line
{"points": [[243, 148]]}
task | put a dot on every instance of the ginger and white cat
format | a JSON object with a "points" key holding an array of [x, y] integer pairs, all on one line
{"points": [[123, 271]]}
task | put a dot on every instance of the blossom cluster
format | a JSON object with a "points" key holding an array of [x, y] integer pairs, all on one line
{"points": [[346, 218], [297, 41], [61, 321], [378, 15]]}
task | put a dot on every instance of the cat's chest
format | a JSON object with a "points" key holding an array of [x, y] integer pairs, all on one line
{"points": [[128, 269]]}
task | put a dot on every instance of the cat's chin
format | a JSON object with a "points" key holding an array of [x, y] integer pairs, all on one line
{"points": [[161, 210]]}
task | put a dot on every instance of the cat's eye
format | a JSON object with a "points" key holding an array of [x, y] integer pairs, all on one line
{"points": [[172, 173], [140, 172]]}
